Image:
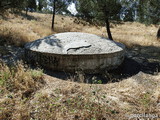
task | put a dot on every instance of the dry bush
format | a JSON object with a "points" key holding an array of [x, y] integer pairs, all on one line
{"points": [[14, 35], [70, 103], [17, 84], [60, 99], [20, 78], [18, 30]]}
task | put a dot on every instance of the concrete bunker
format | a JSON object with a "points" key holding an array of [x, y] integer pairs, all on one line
{"points": [[73, 51]]}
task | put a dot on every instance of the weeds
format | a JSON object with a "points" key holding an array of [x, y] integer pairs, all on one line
{"points": [[16, 85], [19, 77], [18, 31], [66, 100], [22, 89], [77, 106]]}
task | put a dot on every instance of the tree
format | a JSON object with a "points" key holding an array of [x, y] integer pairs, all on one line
{"points": [[42, 4], [158, 34], [85, 9], [149, 11], [129, 10], [54, 11], [30, 5], [108, 10], [100, 10], [59, 6], [13, 5]]}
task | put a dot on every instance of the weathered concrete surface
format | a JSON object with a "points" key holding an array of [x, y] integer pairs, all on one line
{"points": [[75, 51]]}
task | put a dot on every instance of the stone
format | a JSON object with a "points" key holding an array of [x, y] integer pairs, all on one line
{"points": [[73, 51]]}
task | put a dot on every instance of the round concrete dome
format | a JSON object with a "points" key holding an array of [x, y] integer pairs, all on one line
{"points": [[73, 51]]}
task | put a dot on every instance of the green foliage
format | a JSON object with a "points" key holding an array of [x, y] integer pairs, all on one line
{"points": [[14, 5], [36, 73], [129, 10], [31, 4], [60, 5], [99, 9], [85, 9], [145, 11], [41, 4], [149, 11], [145, 100]]}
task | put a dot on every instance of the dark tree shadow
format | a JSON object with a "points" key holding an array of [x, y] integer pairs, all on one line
{"points": [[28, 17], [22, 14], [137, 60], [144, 59], [128, 69]]}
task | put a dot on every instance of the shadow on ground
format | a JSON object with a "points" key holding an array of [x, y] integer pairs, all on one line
{"points": [[128, 69], [138, 59], [144, 59], [28, 17]]}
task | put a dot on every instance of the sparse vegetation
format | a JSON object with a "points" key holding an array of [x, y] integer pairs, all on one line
{"points": [[29, 94], [17, 84], [21, 30]]}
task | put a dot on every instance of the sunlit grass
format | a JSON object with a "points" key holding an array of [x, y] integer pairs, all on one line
{"points": [[29, 94], [19, 30]]}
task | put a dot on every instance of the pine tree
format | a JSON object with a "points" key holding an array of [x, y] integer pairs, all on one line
{"points": [[30, 5], [158, 33], [100, 10], [59, 6], [149, 11], [13, 5], [129, 10]]}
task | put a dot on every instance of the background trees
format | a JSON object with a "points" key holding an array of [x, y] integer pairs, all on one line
{"points": [[107, 10], [85, 9], [99, 11], [144, 11], [41, 4], [149, 11], [13, 5], [129, 10], [30, 5], [58, 7]]}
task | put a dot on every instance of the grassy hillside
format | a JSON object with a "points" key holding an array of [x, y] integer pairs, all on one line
{"points": [[30, 94], [20, 30]]}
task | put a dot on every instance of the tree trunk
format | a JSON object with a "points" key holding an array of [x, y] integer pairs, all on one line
{"points": [[26, 11], [54, 11], [108, 29], [40, 5], [158, 34]]}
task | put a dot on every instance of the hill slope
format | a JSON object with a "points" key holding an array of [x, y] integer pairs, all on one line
{"points": [[30, 94]]}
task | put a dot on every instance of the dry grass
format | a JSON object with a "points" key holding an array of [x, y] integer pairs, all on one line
{"points": [[68, 100], [28, 94], [18, 30], [59, 99], [16, 85]]}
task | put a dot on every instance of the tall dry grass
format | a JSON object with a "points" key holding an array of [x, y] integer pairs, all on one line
{"points": [[19, 30], [17, 84], [23, 94]]}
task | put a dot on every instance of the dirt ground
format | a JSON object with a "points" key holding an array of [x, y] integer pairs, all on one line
{"points": [[124, 93]]}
